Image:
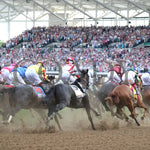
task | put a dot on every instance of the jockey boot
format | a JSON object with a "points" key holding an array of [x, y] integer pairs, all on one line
{"points": [[78, 85], [137, 91]]}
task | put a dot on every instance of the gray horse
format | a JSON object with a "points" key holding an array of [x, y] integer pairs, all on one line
{"points": [[61, 96], [58, 97], [104, 91], [13, 99]]}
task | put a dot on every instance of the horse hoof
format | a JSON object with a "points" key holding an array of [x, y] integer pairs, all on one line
{"points": [[98, 114], [142, 118], [5, 122]]}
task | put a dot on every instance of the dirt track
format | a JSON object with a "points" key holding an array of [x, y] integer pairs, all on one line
{"points": [[111, 134], [136, 138]]}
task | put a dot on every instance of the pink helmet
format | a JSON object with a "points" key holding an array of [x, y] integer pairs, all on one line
{"points": [[14, 64], [70, 60]]}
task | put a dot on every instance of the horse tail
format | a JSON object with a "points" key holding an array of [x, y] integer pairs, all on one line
{"points": [[115, 97], [109, 99]]}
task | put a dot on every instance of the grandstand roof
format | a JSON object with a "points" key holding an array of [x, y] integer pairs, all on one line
{"points": [[73, 10]]}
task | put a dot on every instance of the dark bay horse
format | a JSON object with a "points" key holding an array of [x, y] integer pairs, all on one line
{"points": [[122, 96], [146, 95]]}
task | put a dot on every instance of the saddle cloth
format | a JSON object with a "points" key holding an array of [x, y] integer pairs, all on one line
{"points": [[134, 91], [77, 91], [39, 91], [9, 86]]}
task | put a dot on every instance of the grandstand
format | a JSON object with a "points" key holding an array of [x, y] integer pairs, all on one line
{"points": [[88, 30], [24, 14]]}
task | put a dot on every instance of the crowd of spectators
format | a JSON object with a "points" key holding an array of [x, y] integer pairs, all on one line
{"points": [[101, 44]]}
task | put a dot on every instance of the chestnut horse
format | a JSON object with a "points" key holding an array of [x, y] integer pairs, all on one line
{"points": [[121, 96]]}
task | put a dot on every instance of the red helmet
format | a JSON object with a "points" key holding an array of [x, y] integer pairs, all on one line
{"points": [[70, 60]]}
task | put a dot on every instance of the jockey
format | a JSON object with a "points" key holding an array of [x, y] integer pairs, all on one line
{"points": [[131, 77], [17, 75], [35, 74], [1, 78], [146, 78], [115, 73], [5, 72], [70, 73]]}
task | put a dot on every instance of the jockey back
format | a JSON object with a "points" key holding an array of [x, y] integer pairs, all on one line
{"points": [[115, 74]]}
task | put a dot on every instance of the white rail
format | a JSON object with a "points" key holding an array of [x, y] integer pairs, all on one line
{"points": [[57, 73]]}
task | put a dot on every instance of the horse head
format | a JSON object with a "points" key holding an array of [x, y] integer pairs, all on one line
{"points": [[84, 78]]}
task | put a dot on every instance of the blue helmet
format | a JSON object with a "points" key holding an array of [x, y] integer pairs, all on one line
{"points": [[24, 66]]}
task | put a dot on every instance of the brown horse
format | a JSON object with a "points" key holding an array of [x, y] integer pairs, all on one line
{"points": [[122, 96]]}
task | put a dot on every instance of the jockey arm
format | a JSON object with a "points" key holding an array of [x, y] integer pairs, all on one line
{"points": [[44, 75], [74, 72]]}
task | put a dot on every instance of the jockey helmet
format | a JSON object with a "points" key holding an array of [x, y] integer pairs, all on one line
{"points": [[70, 60], [131, 69], [117, 65], [41, 63], [14, 64]]}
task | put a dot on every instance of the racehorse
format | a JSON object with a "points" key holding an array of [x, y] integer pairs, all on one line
{"points": [[146, 94], [24, 97], [104, 91], [121, 96], [20, 97], [63, 95]]}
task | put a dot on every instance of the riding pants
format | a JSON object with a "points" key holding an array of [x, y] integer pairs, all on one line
{"points": [[32, 76]]}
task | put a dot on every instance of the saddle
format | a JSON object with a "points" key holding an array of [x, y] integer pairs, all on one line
{"points": [[134, 91], [77, 91], [9, 86]]}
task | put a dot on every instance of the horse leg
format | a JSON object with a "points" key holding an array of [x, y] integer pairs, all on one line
{"points": [[105, 105], [122, 113], [95, 112], [87, 107], [57, 108], [118, 114], [133, 115], [59, 115], [57, 121], [41, 113], [142, 105]]}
